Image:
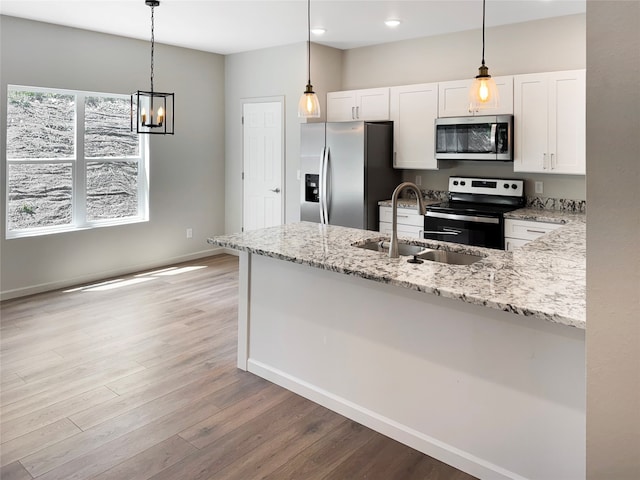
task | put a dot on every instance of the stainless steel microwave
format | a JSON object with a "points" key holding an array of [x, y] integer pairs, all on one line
{"points": [[486, 137]]}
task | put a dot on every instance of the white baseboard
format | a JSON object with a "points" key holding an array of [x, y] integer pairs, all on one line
{"points": [[45, 287], [430, 446]]}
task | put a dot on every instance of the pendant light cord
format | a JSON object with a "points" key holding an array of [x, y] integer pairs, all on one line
{"points": [[152, 45], [483, 15], [309, 41]]}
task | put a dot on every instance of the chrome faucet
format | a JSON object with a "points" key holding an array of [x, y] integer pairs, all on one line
{"points": [[393, 245]]}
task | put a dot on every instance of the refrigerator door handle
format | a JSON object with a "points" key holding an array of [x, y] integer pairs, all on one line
{"points": [[321, 185], [325, 187]]}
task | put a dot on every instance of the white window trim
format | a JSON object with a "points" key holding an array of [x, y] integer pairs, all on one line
{"points": [[79, 162]]}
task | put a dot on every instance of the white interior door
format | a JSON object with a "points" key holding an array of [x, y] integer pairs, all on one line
{"points": [[263, 187]]}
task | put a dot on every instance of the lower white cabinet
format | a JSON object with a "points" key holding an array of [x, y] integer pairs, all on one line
{"points": [[410, 222], [521, 232]]}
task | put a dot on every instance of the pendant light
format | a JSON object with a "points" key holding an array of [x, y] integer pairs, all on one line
{"points": [[309, 106], [152, 111], [484, 92]]}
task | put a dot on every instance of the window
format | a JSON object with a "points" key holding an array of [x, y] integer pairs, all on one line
{"points": [[72, 162]]}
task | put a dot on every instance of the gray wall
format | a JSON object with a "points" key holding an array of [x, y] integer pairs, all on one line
{"points": [[539, 46], [545, 45], [613, 236], [273, 72], [186, 170]]}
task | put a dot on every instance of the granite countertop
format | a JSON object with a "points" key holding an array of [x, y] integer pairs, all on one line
{"points": [[543, 215], [544, 279]]}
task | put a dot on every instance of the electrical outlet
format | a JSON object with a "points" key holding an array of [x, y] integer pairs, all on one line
{"points": [[418, 180], [189, 233], [539, 188]]}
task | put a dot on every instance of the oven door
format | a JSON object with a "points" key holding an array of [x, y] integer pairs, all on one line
{"points": [[478, 230]]}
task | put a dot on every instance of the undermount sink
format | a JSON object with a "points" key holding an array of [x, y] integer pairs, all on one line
{"points": [[419, 252], [404, 249], [452, 258]]}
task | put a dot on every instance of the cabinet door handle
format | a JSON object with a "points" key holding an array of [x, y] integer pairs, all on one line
{"points": [[353, 113], [357, 113], [553, 163], [544, 161]]}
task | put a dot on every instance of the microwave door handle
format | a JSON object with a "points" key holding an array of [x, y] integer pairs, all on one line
{"points": [[494, 140]]}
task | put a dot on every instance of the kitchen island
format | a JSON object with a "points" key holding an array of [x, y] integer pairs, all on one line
{"points": [[480, 366]]}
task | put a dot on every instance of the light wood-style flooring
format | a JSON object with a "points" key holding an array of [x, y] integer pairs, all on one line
{"points": [[135, 379]]}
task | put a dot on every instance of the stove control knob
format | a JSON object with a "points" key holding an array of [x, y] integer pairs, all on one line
{"points": [[506, 185], [455, 182], [463, 183], [514, 186]]}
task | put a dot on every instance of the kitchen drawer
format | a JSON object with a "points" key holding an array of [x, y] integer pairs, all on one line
{"points": [[406, 216], [403, 230], [511, 244], [527, 230]]}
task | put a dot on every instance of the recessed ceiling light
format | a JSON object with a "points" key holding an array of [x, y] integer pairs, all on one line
{"points": [[392, 23], [318, 31]]}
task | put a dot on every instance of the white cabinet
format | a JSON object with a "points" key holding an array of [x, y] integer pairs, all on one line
{"points": [[521, 232], [368, 104], [414, 109], [453, 98], [410, 222], [550, 125]]}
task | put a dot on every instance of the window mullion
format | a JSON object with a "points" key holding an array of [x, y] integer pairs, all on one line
{"points": [[80, 167]]}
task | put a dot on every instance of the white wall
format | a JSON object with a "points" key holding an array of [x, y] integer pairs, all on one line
{"points": [[613, 236], [539, 46], [186, 170], [272, 72]]}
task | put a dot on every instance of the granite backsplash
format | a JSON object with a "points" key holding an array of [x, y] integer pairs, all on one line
{"points": [[544, 203]]}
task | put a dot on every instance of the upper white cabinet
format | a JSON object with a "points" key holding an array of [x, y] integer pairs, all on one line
{"points": [[414, 109], [454, 98], [550, 122], [368, 104]]}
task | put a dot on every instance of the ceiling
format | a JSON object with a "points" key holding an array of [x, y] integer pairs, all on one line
{"points": [[234, 26]]}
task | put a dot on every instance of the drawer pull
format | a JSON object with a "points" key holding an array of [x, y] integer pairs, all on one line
{"points": [[535, 231]]}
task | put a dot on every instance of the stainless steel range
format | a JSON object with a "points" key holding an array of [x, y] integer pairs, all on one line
{"points": [[474, 213]]}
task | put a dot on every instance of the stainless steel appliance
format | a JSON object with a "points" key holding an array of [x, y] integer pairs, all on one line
{"points": [[488, 137], [345, 169], [474, 213]]}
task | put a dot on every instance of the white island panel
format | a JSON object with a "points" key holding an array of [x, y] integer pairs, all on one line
{"points": [[492, 393]]}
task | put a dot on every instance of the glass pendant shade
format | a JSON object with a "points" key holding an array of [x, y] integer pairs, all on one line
{"points": [[483, 93], [309, 105]]}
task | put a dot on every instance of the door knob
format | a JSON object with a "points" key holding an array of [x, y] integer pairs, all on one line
{"points": [[275, 190]]}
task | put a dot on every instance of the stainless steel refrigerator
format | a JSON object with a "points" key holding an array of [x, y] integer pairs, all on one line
{"points": [[346, 168]]}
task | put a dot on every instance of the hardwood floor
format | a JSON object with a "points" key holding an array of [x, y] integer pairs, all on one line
{"points": [[135, 379]]}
